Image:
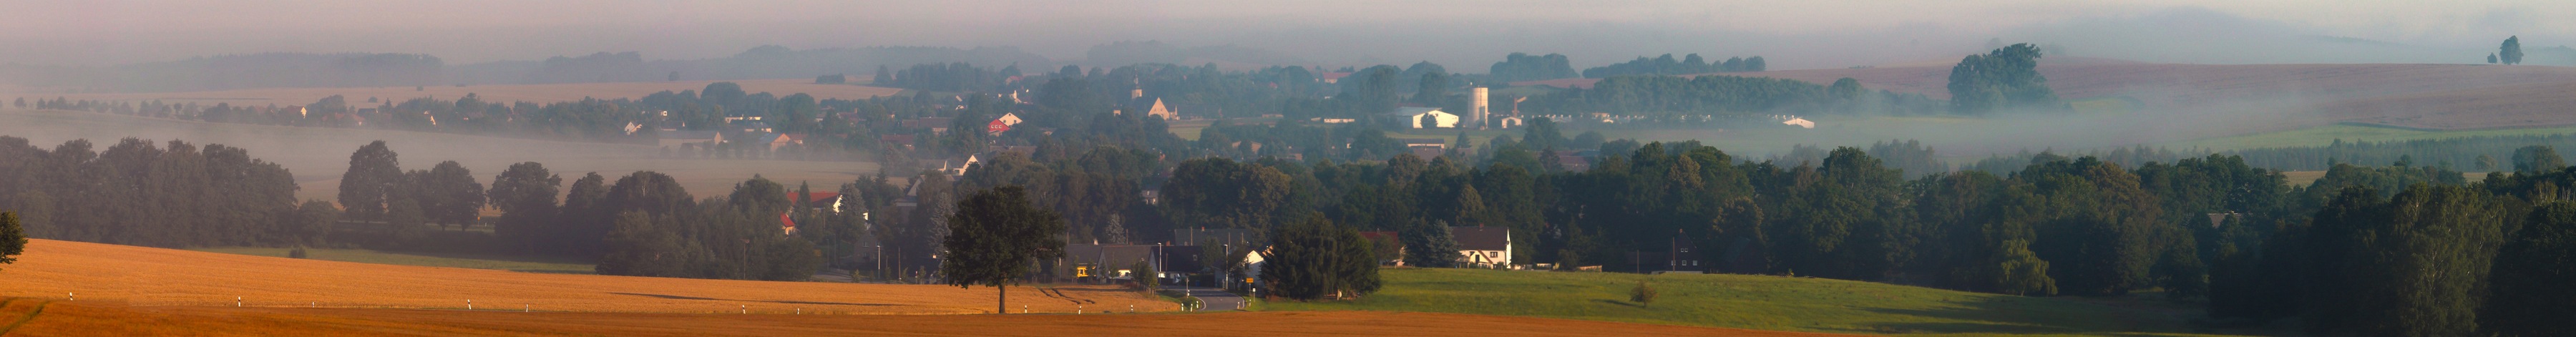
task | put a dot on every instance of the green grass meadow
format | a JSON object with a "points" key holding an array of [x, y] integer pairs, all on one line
{"points": [[1761, 302], [453, 260]]}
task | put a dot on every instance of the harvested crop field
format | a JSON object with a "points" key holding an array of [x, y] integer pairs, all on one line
{"points": [[538, 93], [166, 277], [2503, 106], [84, 318], [318, 156]]}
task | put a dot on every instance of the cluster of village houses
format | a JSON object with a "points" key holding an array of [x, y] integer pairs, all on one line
{"points": [[1200, 251]]}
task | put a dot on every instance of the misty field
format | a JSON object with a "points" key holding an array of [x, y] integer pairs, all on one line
{"points": [[504, 93], [166, 277], [318, 156], [2324, 135], [1749, 302]]}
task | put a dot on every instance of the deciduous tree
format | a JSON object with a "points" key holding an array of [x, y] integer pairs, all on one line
{"points": [[996, 237]]}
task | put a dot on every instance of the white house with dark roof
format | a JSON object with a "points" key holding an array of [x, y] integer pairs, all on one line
{"points": [[1484, 247]]}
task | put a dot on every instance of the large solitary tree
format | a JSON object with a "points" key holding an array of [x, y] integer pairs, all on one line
{"points": [[994, 238], [2511, 52]]}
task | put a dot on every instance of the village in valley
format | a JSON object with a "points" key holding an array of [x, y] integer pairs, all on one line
{"points": [[1014, 168]]}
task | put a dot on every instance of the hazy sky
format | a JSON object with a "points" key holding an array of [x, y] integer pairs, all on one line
{"points": [[1820, 33]]}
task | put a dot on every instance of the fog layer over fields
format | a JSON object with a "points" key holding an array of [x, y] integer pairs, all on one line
{"points": [[318, 156]]}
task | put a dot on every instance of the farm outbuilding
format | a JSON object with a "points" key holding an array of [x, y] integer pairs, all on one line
{"points": [[1418, 118]]}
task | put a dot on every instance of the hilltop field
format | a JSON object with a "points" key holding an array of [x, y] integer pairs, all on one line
{"points": [[318, 156], [1763, 303], [126, 290]]}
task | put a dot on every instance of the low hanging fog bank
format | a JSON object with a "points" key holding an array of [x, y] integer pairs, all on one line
{"points": [[141, 48]]}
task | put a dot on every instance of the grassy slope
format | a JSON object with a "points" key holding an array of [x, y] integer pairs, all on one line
{"points": [[451, 260], [1747, 301]]}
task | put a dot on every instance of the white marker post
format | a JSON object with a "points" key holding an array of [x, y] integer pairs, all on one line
{"points": [[237, 301], [70, 297], [1024, 308], [746, 309], [469, 304]]}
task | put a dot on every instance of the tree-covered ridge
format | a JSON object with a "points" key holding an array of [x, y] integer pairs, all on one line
{"points": [[1675, 97], [1525, 67], [1665, 65]]}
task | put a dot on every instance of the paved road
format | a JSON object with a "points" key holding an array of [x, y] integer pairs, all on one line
{"points": [[1214, 299]]}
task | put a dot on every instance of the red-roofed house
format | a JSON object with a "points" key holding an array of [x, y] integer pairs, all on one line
{"points": [[1390, 250]]}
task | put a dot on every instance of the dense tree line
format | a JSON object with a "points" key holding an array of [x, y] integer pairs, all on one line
{"points": [[953, 77], [1526, 67], [2468, 154], [172, 194], [1674, 97], [1665, 65], [2215, 226]]}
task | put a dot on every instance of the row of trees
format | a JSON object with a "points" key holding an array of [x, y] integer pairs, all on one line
{"points": [[1526, 67], [172, 194], [1665, 65], [958, 76], [641, 224], [1670, 97], [2470, 154]]}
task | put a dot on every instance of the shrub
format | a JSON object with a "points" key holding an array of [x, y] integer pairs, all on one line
{"points": [[1643, 294], [297, 253]]}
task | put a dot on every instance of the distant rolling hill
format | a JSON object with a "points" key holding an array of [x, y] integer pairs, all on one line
{"points": [[2425, 96]]}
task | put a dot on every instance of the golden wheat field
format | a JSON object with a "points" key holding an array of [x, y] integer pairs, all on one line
{"points": [[143, 276], [538, 93], [40, 317]]}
